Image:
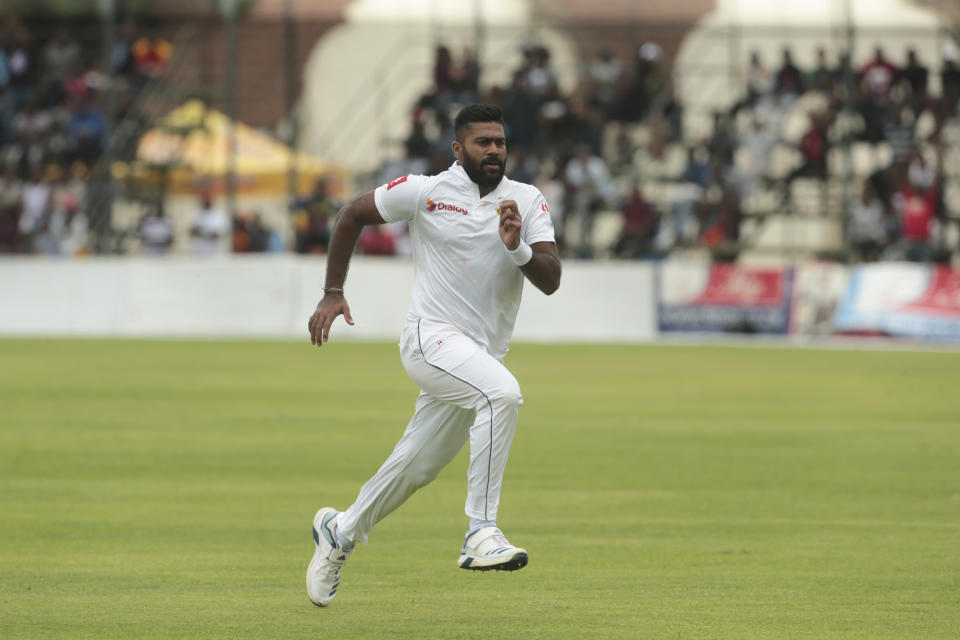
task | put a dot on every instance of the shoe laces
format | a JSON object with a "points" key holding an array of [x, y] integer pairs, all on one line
{"points": [[499, 540]]}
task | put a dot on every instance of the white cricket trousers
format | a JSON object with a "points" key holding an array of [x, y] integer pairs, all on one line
{"points": [[465, 394]]}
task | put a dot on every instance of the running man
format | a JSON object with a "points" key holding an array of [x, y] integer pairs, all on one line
{"points": [[476, 234]]}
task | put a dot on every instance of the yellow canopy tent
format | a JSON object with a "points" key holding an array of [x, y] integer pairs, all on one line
{"points": [[191, 144]]}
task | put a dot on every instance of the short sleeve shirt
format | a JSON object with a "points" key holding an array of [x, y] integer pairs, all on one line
{"points": [[463, 275]]}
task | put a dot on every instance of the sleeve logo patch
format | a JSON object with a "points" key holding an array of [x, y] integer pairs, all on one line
{"points": [[397, 181], [544, 207]]}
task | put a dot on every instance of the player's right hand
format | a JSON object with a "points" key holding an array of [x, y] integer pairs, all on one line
{"points": [[332, 305]]}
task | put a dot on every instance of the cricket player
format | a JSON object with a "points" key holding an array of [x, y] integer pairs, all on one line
{"points": [[476, 235]]}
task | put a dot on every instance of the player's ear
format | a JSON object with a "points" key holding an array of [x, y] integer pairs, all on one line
{"points": [[458, 150]]}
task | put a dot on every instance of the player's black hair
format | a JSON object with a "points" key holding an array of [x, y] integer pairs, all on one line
{"points": [[476, 113]]}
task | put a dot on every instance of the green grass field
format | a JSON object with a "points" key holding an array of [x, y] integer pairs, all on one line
{"points": [[166, 489]]}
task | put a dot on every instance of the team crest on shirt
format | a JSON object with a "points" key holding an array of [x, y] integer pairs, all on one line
{"points": [[443, 206]]}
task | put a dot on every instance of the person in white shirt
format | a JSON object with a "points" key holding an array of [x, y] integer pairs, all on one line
{"points": [[476, 235], [209, 228]]}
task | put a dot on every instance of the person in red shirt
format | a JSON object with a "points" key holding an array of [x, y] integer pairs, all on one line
{"points": [[917, 209]]}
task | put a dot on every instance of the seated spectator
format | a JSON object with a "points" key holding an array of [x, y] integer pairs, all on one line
{"points": [[209, 228], [898, 131], [813, 146], [376, 241], [33, 128], [640, 222], [867, 226], [86, 130], [759, 142], [312, 219], [250, 235], [61, 58], [35, 214], [68, 218], [151, 56], [916, 206], [686, 198], [719, 211], [155, 232], [589, 188], [122, 59], [604, 74]]}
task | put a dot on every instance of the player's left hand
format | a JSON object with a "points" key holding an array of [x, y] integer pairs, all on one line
{"points": [[510, 224]]}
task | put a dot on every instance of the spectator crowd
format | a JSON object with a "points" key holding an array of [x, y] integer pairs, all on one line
{"points": [[588, 149], [582, 148], [53, 129]]}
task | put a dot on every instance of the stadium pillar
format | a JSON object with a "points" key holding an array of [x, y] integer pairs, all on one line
{"points": [[228, 9], [104, 218], [290, 84]]}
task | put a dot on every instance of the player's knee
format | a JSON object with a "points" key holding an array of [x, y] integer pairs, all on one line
{"points": [[507, 394]]}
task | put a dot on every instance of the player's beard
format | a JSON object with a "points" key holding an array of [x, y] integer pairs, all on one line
{"points": [[479, 173]]}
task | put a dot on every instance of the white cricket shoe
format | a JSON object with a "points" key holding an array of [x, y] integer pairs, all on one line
{"points": [[487, 548], [323, 573]]}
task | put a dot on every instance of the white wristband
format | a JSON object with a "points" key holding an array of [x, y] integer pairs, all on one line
{"points": [[521, 255]]}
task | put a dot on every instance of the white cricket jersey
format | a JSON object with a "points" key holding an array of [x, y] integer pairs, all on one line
{"points": [[463, 275]]}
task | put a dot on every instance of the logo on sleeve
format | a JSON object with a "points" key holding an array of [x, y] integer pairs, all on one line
{"points": [[544, 207], [397, 181]]}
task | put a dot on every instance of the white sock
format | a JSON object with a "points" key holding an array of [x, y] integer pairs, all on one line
{"points": [[346, 545], [477, 523]]}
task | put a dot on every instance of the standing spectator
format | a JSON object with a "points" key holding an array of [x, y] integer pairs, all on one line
{"points": [[469, 84], [541, 77], [22, 70], [788, 84], [520, 111], [914, 78], [879, 75], [950, 84], [821, 78], [759, 83], [867, 228], [11, 203], [155, 232], [6, 114], [445, 76], [209, 229]]}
